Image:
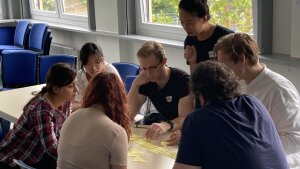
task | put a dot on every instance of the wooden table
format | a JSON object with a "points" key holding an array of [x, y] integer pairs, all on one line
{"points": [[13, 101]]}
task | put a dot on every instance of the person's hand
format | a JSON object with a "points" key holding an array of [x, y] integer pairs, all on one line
{"points": [[190, 54], [156, 129], [141, 79], [174, 138]]}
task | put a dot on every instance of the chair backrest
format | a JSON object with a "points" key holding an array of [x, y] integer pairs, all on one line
{"points": [[47, 61], [37, 37], [47, 44], [21, 164], [126, 69], [18, 68], [7, 35], [21, 33], [128, 82]]}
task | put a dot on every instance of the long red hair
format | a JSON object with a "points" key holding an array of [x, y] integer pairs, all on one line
{"points": [[106, 89]]}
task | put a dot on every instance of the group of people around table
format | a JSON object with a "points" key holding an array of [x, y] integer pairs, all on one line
{"points": [[230, 112]]}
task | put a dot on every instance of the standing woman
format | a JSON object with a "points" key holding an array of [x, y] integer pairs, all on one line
{"points": [[200, 40], [96, 136], [92, 62], [34, 136], [201, 34]]}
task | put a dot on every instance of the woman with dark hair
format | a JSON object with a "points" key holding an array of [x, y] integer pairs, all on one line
{"points": [[201, 34], [97, 135], [92, 62], [34, 136]]}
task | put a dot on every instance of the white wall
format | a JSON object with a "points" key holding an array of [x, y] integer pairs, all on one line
{"points": [[286, 26], [281, 26], [106, 20], [295, 27]]}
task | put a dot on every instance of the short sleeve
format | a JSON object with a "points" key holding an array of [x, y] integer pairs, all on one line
{"points": [[189, 151], [185, 89], [119, 149]]}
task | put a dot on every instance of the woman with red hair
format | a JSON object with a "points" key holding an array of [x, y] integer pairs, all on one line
{"points": [[97, 135]]}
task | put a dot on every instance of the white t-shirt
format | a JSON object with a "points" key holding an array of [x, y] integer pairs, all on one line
{"points": [[282, 101], [83, 82], [90, 139]]}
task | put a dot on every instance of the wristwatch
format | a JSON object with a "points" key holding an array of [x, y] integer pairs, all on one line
{"points": [[171, 124]]}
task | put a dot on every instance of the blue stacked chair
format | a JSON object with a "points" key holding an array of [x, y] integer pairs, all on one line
{"points": [[126, 69], [38, 38], [20, 37], [18, 68], [128, 82], [49, 60]]}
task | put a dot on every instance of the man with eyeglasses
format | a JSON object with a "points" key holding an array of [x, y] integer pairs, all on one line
{"points": [[240, 53], [166, 87]]}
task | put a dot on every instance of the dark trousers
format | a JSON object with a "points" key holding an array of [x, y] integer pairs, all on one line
{"points": [[46, 162], [5, 166]]}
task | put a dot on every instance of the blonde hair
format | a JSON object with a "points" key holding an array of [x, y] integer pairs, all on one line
{"points": [[152, 48]]}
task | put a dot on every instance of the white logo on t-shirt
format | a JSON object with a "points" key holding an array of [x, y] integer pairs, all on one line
{"points": [[169, 98]]}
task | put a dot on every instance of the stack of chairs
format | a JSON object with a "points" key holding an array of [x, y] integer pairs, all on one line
{"points": [[19, 61], [128, 72]]}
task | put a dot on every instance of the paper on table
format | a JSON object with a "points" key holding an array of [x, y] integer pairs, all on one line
{"points": [[146, 144]]}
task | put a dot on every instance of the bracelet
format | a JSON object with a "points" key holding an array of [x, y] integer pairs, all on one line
{"points": [[171, 124]]}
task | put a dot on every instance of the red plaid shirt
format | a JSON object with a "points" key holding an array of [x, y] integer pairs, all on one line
{"points": [[36, 132]]}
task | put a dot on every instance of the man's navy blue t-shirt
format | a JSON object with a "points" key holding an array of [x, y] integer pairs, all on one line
{"points": [[234, 134], [166, 99]]}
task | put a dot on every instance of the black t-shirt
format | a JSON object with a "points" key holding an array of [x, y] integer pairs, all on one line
{"points": [[166, 99], [234, 134], [207, 45]]}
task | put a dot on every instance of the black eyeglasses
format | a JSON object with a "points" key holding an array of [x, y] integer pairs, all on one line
{"points": [[150, 68]]}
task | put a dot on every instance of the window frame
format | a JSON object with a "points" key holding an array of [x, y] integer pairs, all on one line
{"points": [[58, 16], [173, 31]]}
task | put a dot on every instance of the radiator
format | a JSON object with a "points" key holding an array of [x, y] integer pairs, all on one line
{"points": [[62, 49]]}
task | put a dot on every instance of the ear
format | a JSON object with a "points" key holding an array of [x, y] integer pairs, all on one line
{"points": [[242, 59], [202, 101], [55, 89], [205, 19], [164, 61]]}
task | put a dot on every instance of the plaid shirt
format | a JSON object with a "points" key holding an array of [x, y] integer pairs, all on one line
{"points": [[36, 132]]}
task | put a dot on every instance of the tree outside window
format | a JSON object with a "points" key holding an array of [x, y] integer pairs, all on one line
{"points": [[233, 14]]}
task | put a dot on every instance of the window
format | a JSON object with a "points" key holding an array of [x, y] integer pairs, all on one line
{"points": [[160, 18], [75, 7], [73, 12]]}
